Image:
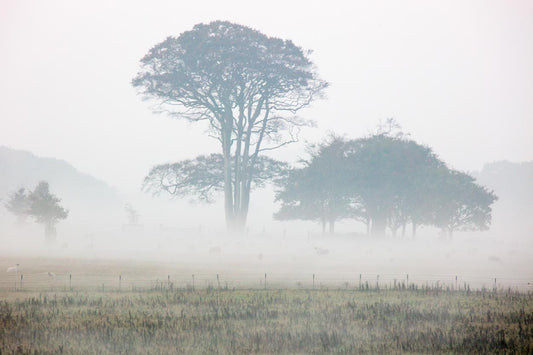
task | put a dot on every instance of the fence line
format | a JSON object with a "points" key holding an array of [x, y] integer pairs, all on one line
{"points": [[254, 280]]}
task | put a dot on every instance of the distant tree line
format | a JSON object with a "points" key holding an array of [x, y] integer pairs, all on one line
{"points": [[386, 181], [40, 205]]}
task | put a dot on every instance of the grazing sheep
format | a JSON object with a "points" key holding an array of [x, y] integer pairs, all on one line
{"points": [[215, 250], [321, 251], [13, 268]]}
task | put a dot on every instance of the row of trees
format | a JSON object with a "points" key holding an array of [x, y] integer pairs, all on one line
{"points": [[248, 88], [386, 181], [38, 204]]}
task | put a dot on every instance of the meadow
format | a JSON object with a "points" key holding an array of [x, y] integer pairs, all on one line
{"points": [[211, 320]]}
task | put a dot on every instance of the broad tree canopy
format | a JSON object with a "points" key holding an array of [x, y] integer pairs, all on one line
{"points": [[392, 176], [387, 181], [246, 85]]}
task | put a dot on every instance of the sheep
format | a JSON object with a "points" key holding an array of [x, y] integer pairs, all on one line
{"points": [[215, 250], [13, 268], [51, 275], [321, 251]]}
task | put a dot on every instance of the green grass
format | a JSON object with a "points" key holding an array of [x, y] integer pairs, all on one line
{"points": [[267, 321]]}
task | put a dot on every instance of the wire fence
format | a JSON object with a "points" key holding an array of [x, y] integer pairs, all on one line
{"points": [[47, 281]]}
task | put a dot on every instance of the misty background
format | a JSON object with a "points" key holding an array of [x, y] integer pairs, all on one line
{"points": [[457, 76]]}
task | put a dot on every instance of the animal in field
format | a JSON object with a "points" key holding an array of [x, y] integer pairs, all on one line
{"points": [[321, 251], [13, 268]]}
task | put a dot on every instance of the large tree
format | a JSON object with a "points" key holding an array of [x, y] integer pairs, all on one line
{"points": [[246, 85]]}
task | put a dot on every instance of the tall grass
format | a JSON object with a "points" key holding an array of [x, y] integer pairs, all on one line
{"points": [[428, 320]]}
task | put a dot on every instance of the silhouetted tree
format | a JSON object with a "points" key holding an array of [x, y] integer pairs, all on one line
{"points": [[245, 85], [386, 180], [45, 209], [391, 176], [18, 204], [462, 204], [132, 214]]}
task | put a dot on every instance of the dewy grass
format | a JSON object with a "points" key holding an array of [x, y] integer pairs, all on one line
{"points": [[268, 321]]}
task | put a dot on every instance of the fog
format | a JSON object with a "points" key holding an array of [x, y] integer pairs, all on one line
{"points": [[289, 252], [457, 76]]}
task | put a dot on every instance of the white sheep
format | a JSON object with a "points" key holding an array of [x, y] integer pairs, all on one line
{"points": [[321, 251], [13, 268]]}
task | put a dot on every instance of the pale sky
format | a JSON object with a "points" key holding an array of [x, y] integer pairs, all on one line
{"points": [[457, 75]]}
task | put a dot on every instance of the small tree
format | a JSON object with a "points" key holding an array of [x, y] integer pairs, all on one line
{"points": [[132, 214], [45, 209], [19, 205]]}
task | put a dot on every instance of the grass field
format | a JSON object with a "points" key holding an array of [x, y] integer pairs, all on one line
{"points": [[267, 321], [120, 306]]}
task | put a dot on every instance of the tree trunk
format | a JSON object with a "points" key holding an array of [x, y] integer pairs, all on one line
{"points": [[404, 225], [244, 180], [228, 188], [414, 230], [378, 226], [331, 226], [241, 213], [323, 226]]}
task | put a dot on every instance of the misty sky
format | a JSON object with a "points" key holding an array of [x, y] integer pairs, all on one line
{"points": [[457, 75]]}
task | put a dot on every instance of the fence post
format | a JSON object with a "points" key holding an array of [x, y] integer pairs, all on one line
{"points": [[70, 282], [313, 281], [377, 282], [360, 279], [193, 282], [218, 281], [21, 277], [265, 280], [119, 282]]}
